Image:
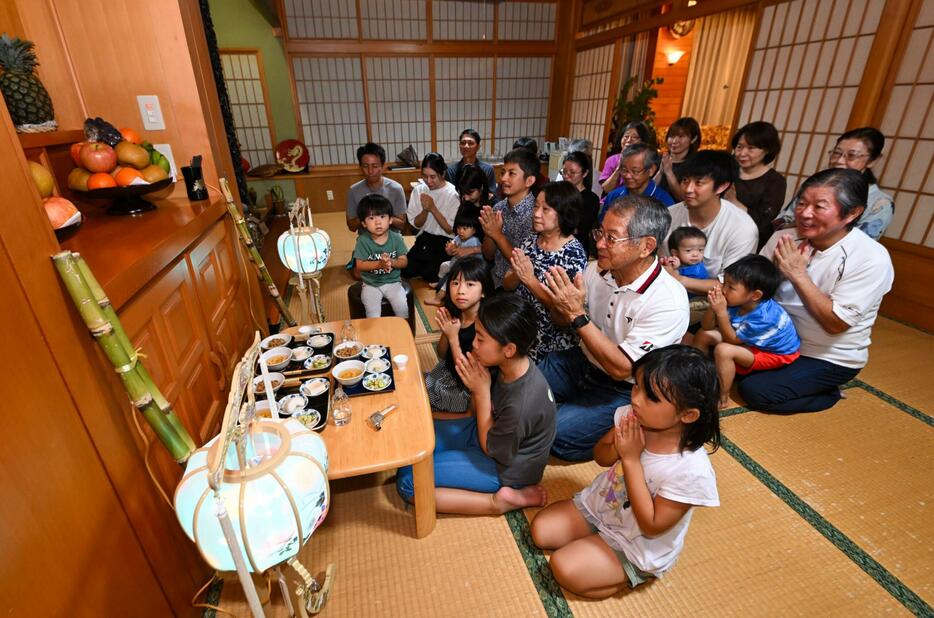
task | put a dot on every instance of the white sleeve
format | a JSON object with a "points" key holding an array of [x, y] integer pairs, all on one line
{"points": [[859, 291], [743, 241], [415, 204], [694, 482]]}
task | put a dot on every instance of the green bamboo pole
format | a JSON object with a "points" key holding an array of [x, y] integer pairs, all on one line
{"points": [[255, 257], [126, 365], [97, 293]]}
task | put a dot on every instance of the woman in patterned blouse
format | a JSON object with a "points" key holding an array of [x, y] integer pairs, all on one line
{"points": [[554, 220]]}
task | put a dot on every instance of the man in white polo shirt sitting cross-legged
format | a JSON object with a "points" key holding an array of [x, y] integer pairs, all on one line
{"points": [[623, 306]]}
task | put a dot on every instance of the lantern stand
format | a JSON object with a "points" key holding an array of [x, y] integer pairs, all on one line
{"points": [[305, 250], [270, 452]]}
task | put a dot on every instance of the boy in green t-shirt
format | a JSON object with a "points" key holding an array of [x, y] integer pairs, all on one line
{"points": [[380, 255]]}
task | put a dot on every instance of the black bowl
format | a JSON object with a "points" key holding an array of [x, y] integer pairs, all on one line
{"points": [[128, 200]]}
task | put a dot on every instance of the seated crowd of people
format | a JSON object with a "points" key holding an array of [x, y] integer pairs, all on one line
{"points": [[614, 329]]}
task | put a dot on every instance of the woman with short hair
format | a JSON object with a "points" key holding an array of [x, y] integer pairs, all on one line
{"points": [[834, 278], [575, 169], [554, 221], [635, 132]]}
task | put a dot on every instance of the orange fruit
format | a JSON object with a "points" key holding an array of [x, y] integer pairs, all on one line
{"points": [[126, 176], [101, 181], [131, 136]]}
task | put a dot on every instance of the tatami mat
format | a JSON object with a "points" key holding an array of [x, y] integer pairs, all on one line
{"points": [[900, 361], [865, 466]]}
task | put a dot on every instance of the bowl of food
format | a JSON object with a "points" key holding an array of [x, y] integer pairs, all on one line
{"points": [[292, 404], [320, 341], [348, 349], [314, 387], [275, 341], [348, 372], [303, 333], [317, 362], [275, 379], [374, 351], [376, 381], [262, 409], [310, 418], [301, 353], [377, 365], [277, 359]]}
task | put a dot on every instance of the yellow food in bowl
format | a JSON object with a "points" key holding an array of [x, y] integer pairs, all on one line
{"points": [[277, 359], [275, 343], [350, 374]]}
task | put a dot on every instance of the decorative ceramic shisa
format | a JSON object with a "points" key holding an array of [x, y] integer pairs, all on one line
{"points": [[305, 250], [252, 496]]}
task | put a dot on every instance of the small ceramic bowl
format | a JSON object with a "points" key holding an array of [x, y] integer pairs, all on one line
{"points": [[352, 369], [262, 409], [348, 350], [291, 405], [318, 362], [320, 341], [314, 387], [376, 381], [301, 353], [374, 351], [303, 333], [377, 365], [275, 341], [310, 418], [276, 379], [277, 359]]}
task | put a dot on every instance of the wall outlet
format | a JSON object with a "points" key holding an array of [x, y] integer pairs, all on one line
{"points": [[330, 195], [151, 112]]}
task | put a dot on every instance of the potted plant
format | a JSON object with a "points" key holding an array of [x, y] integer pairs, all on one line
{"points": [[637, 106]]}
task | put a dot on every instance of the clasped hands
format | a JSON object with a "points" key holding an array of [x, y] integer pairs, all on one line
{"points": [[491, 221], [567, 296]]}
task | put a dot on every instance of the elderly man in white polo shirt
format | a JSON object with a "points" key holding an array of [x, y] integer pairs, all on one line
{"points": [[623, 306], [731, 233]]}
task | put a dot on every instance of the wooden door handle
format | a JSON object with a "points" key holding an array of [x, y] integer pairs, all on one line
{"points": [[216, 359]]}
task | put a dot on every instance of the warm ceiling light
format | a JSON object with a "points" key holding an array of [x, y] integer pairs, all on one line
{"points": [[692, 3], [674, 56]]}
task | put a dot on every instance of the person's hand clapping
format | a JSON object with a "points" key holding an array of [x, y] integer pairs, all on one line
{"points": [[475, 376], [450, 326], [522, 266], [717, 300], [491, 222], [385, 262], [629, 439], [790, 259], [567, 297]]}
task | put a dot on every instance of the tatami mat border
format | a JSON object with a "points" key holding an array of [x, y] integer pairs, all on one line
{"points": [[421, 313], [901, 405], [867, 563], [556, 606]]}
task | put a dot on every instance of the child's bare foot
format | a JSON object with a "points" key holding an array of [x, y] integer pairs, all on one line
{"points": [[724, 402], [435, 301], [433, 285], [509, 499]]}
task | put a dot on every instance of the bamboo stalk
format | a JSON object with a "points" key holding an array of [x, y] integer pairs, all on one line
{"points": [[97, 293], [172, 435], [255, 257]]}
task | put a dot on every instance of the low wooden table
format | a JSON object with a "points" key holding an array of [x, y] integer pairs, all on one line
{"points": [[408, 435]]}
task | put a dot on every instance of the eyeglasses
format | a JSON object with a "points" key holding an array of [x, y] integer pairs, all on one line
{"points": [[599, 235], [567, 172], [846, 156], [623, 171]]}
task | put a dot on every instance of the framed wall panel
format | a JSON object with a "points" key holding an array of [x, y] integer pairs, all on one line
{"points": [[401, 20], [526, 21], [590, 97], [332, 110], [522, 90], [321, 19], [400, 103], [246, 87], [463, 99], [462, 20]]}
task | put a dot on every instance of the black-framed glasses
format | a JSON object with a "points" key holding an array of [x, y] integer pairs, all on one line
{"points": [[846, 156], [598, 235]]}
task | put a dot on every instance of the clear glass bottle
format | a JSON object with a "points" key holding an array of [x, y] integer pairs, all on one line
{"points": [[340, 407], [348, 332]]}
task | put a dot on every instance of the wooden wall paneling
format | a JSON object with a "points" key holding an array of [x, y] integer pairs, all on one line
{"points": [[10, 21], [671, 93], [28, 243], [908, 301], [612, 94], [110, 75]]}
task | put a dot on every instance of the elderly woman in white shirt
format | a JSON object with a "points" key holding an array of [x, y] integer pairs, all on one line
{"points": [[834, 278], [432, 208]]}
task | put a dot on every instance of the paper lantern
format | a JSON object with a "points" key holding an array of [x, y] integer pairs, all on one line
{"points": [[304, 250], [274, 504]]}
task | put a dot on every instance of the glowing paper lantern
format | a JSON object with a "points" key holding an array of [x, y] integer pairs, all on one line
{"points": [[275, 492], [304, 250]]}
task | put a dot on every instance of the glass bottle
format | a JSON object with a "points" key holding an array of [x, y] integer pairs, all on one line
{"points": [[348, 332], [340, 407]]}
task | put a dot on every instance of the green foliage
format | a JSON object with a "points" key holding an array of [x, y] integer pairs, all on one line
{"points": [[637, 106]]}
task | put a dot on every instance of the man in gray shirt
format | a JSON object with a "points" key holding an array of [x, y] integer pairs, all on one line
{"points": [[372, 159]]}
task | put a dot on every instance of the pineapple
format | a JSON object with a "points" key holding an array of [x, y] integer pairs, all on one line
{"points": [[25, 96]]}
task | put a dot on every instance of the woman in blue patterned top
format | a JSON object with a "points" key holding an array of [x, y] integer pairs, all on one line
{"points": [[554, 220]]}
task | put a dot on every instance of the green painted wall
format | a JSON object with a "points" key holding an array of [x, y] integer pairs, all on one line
{"points": [[238, 24]]}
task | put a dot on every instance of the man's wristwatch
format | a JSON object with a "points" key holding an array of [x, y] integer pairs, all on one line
{"points": [[580, 321]]}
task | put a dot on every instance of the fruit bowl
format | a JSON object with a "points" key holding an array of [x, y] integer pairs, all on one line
{"points": [[128, 200]]}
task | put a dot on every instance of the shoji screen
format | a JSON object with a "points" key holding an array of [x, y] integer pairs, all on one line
{"points": [[397, 20], [527, 21], [330, 99], [463, 99], [321, 19], [400, 103], [522, 87], [906, 169], [462, 20], [590, 96], [807, 63], [244, 80]]}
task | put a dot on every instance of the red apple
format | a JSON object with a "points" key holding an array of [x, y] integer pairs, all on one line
{"points": [[98, 157], [59, 210], [76, 152]]}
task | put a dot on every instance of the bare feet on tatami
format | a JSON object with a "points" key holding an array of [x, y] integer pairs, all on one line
{"points": [[511, 499]]}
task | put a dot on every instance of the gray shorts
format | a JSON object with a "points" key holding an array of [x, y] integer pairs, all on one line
{"points": [[635, 574]]}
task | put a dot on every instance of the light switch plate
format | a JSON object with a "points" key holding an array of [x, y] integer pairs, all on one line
{"points": [[151, 112], [166, 151]]}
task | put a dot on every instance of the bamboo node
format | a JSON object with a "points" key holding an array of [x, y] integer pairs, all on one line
{"points": [[99, 331], [142, 402], [130, 366]]}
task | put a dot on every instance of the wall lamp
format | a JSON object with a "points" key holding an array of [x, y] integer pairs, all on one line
{"points": [[673, 56]]}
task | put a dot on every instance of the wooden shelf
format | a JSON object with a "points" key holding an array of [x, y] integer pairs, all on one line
{"points": [[52, 138]]}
